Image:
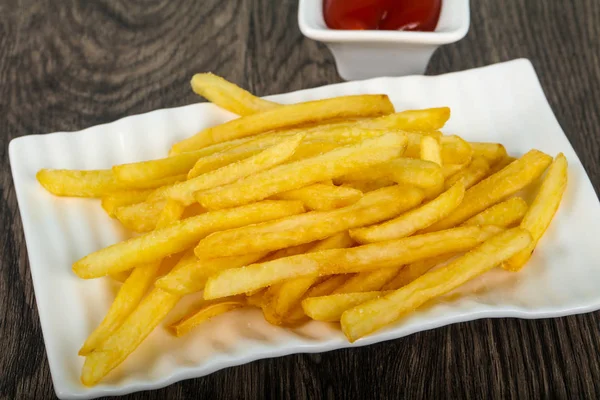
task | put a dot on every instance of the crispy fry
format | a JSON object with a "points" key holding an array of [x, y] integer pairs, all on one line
{"points": [[136, 327], [287, 116], [455, 150], [229, 96], [178, 237], [370, 185], [364, 258], [492, 152], [419, 173], [155, 169], [140, 217], [172, 212], [431, 150], [192, 277], [414, 220], [305, 228], [542, 210], [412, 271], [74, 183], [302, 173], [318, 139], [507, 213], [448, 170], [272, 156], [375, 314], [501, 164], [426, 120], [131, 292], [111, 202], [281, 298], [322, 197], [367, 281], [204, 313], [328, 285], [120, 276], [330, 308], [496, 188], [473, 173]]}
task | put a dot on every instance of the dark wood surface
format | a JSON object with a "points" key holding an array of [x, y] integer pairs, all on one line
{"points": [[72, 64]]}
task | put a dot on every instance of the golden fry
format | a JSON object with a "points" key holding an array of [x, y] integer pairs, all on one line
{"points": [[192, 277], [136, 327], [375, 314], [406, 171], [287, 116], [305, 228], [542, 210], [473, 173], [321, 197], [280, 299], [414, 220], [272, 156], [492, 152], [425, 120], [330, 308], [367, 281], [111, 202], [431, 150], [305, 172], [204, 313], [506, 214], [496, 188], [363, 258], [228, 95], [74, 183], [178, 237]]}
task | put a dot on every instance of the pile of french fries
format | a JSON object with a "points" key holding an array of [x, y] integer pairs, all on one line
{"points": [[333, 210]]}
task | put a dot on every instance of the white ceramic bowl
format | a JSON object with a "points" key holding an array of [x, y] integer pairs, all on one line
{"points": [[369, 54]]}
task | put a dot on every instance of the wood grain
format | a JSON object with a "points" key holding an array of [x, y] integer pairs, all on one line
{"points": [[73, 64]]}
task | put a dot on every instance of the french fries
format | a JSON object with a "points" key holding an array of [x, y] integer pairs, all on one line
{"points": [[228, 95], [406, 171], [426, 120], [287, 116], [473, 173], [131, 292], [149, 313], [491, 152], [542, 210], [384, 310], [306, 211], [280, 299], [61, 182], [496, 188], [414, 220], [431, 150], [111, 202], [192, 277], [305, 172], [272, 156], [330, 308], [374, 207], [178, 237], [204, 313], [321, 197], [505, 214], [364, 258]]}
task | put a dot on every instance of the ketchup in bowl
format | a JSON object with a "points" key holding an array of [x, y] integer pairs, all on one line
{"points": [[403, 15]]}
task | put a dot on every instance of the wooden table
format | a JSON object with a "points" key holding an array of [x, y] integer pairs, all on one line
{"points": [[73, 64]]}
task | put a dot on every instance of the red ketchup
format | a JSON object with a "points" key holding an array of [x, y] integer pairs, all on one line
{"points": [[391, 15]]}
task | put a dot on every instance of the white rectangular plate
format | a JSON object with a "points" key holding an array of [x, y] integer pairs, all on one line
{"points": [[500, 103]]}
